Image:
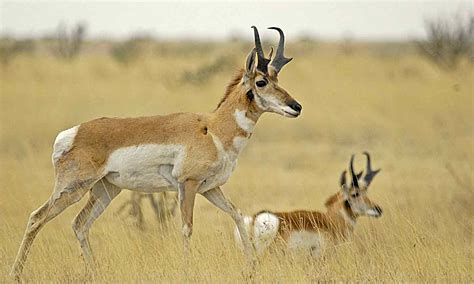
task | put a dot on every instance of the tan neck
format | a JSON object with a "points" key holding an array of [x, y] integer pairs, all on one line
{"points": [[338, 209], [236, 116]]}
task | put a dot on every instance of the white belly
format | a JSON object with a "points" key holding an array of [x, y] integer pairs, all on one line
{"points": [[304, 240], [149, 167]]}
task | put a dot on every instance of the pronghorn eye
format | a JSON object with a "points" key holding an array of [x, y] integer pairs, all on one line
{"points": [[261, 83]]}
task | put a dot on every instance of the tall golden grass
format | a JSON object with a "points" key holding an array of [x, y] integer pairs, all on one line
{"points": [[415, 119]]}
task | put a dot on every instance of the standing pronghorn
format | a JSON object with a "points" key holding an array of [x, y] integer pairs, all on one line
{"points": [[312, 230], [188, 152]]}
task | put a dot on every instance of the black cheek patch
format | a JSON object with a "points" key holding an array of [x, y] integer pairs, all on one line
{"points": [[347, 205], [250, 95]]}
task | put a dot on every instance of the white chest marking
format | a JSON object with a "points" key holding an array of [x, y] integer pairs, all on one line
{"points": [[63, 142], [239, 143], [243, 121], [145, 167]]}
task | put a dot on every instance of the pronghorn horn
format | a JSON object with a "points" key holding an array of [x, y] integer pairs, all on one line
{"points": [[342, 179], [262, 64], [355, 182], [280, 60], [370, 174]]}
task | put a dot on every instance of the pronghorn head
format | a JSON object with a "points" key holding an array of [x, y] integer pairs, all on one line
{"points": [[355, 191], [261, 79]]}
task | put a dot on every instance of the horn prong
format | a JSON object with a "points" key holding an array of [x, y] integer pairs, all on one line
{"points": [[271, 53], [369, 172], [280, 60]]}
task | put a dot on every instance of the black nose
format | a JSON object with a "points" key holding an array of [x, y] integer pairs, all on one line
{"points": [[295, 106]]}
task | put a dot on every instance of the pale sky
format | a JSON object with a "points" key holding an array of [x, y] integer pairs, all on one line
{"points": [[392, 20]]}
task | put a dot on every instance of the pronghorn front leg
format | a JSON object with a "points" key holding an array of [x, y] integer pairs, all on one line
{"points": [[186, 195], [216, 197]]}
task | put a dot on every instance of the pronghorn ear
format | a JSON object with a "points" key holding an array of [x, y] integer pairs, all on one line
{"points": [[250, 64], [342, 179], [346, 190]]}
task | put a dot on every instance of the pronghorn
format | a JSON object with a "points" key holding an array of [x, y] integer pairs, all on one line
{"points": [[163, 204], [187, 152], [312, 230]]}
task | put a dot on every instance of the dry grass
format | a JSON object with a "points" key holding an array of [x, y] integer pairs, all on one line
{"points": [[415, 119]]}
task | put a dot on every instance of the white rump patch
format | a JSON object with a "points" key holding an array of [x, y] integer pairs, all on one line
{"points": [[243, 121], [148, 167], [265, 230], [304, 240], [63, 142]]}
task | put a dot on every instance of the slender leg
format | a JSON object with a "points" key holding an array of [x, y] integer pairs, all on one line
{"points": [[158, 206], [186, 196], [66, 193], [136, 209], [100, 197], [216, 197]]}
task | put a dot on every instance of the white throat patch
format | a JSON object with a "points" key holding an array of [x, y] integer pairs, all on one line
{"points": [[243, 121]]}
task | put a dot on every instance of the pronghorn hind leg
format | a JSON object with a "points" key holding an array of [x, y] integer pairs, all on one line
{"points": [[100, 197], [66, 193]]}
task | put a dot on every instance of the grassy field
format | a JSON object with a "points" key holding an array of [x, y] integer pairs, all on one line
{"points": [[414, 118]]}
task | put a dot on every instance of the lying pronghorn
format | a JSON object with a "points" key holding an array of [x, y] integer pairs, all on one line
{"points": [[312, 230], [187, 152]]}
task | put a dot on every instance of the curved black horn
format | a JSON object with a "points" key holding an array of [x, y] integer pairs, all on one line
{"points": [[280, 60], [355, 182], [370, 174], [262, 64], [342, 179]]}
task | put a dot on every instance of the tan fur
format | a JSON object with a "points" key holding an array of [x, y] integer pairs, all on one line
{"points": [[331, 222], [312, 229], [207, 154]]}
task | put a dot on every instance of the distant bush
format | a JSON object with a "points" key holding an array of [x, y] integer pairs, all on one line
{"points": [[128, 51], [68, 43], [185, 48], [207, 71], [448, 40], [9, 48]]}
